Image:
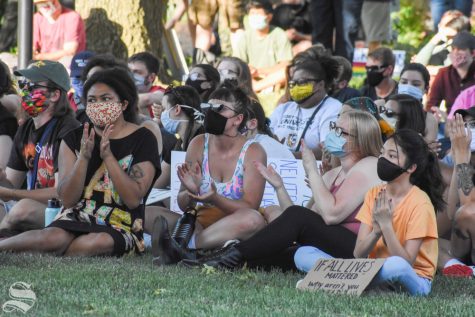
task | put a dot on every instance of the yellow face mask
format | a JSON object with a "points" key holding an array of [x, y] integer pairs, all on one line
{"points": [[299, 93]]}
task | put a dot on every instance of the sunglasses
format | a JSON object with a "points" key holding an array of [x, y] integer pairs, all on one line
{"points": [[216, 107], [389, 113], [28, 85], [375, 68]]}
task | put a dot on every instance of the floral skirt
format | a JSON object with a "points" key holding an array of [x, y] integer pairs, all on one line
{"points": [[79, 222]]}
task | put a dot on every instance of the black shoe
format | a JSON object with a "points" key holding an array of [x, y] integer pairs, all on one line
{"points": [[228, 258], [166, 250]]}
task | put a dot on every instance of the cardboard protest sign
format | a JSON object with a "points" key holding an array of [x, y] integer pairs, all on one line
{"points": [[291, 171], [345, 276]]}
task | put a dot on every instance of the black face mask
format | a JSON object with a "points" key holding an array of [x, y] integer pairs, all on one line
{"points": [[388, 171], [374, 78], [196, 84], [214, 123]]}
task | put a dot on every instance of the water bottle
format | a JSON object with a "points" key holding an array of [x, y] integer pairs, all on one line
{"points": [[184, 227], [54, 206]]}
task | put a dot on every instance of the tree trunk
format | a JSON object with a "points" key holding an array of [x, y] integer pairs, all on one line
{"points": [[123, 28]]}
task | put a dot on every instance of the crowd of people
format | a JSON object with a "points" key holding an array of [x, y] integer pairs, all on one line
{"points": [[395, 179]]}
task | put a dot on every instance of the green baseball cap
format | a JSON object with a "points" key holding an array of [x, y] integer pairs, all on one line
{"points": [[46, 70]]}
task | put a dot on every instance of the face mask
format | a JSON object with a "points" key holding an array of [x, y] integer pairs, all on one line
{"points": [[257, 22], [169, 124], [196, 84], [47, 9], [391, 121], [299, 93], [334, 144], [472, 144], [410, 90], [34, 102], [103, 113], [387, 170], [214, 122], [141, 83], [458, 59], [374, 78]]}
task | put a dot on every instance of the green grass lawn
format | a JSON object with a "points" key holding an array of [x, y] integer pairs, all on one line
{"points": [[133, 287]]}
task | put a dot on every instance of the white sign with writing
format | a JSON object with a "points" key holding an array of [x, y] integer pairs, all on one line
{"points": [[347, 276], [291, 171], [361, 56]]}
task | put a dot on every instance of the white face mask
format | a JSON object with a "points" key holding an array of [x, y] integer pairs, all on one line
{"points": [[472, 144], [257, 22], [47, 9]]}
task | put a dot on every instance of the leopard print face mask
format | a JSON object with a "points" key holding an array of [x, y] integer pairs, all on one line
{"points": [[103, 113]]}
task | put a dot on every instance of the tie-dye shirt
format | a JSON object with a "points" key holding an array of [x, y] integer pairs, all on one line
{"points": [[232, 189]]}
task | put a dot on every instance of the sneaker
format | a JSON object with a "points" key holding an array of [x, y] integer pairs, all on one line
{"points": [[458, 270]]}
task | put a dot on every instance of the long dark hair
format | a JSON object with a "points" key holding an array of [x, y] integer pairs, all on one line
{"points": [[427, 175], [410, 114], [212, 75], [228, 91], [256, 111], [186, 95], [120, 81]]}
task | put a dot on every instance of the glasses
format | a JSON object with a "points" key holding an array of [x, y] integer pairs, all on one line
{"points": [[375, 68], [388, 112], [338, 130], [28, 85], [217, 107], [293, 83]]}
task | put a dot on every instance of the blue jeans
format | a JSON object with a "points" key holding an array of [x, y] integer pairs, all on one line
{"points": [[351, 25], [395, 270], [438, 8]]}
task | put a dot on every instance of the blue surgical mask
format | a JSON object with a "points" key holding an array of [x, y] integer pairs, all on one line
{"points": [[169, 124], [140, 83], [410, 90], [334, 144], [257, 22]]}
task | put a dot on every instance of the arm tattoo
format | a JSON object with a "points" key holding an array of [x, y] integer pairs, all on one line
{"points": [[464, 178], [136, 173]]}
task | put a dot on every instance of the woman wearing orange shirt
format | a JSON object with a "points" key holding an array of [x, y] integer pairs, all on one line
{"points": [[398, 219]]}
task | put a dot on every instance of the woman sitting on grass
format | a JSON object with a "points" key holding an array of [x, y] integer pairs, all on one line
{"points": [[398, 219], [329, 221], [105, 174], [220, 175]]}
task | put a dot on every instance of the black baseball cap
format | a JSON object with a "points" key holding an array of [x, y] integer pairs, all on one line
{"points": [[46, 70], [464, 40], [466, 112]]}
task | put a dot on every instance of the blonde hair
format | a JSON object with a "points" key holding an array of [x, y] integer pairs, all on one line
{"points": [[365, 128]]}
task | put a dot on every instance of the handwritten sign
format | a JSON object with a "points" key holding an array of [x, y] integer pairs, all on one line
{"points": [[291, 171], [345, 276]]}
